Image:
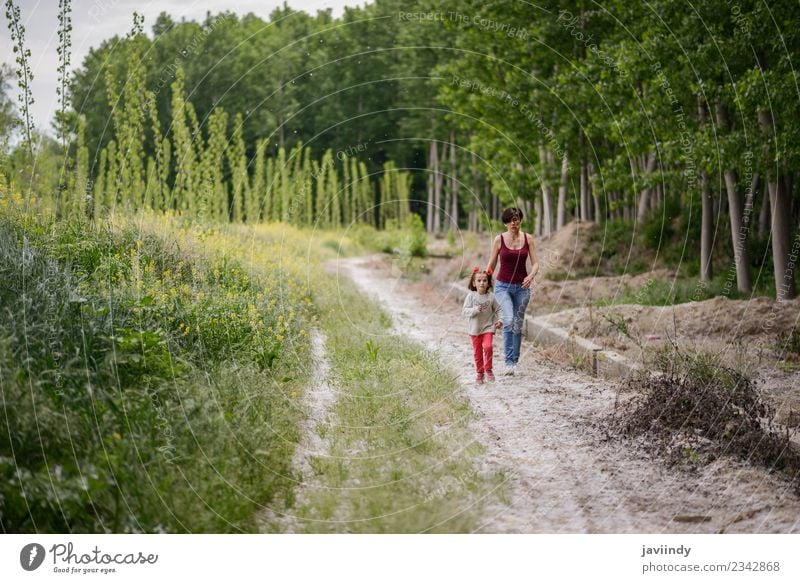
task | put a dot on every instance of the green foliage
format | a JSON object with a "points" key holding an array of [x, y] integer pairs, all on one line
{"points": [[407, 240], [372, 350], [132, 375], [415, 240], [525, 109]]}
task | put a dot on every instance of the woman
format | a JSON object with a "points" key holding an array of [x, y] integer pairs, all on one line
{"points": [[513, 282]]}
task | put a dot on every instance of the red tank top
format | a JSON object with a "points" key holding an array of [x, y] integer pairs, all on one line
{"points": [[513, 268]]}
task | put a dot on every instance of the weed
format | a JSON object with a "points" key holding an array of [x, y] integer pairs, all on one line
{"points": [[620, 324], [372, 350]]}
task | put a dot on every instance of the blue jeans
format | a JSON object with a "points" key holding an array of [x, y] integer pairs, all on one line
{"points": [[513, 300]]}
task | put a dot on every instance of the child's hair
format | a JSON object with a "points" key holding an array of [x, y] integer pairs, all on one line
{"points": [[477, 271]]}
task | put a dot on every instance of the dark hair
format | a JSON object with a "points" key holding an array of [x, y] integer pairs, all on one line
{"points": [[512, 213], [475, 272]]}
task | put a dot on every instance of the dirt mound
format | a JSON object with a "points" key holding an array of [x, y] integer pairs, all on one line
{"points": [[762, 318], [565, 252], [561, 255]]}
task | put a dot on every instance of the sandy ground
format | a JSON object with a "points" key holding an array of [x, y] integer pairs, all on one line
{"points": [[544, 428]]}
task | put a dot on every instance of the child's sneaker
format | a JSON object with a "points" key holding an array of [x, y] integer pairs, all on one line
{"points": [[489, 376], [479, 378], [510, 370]]}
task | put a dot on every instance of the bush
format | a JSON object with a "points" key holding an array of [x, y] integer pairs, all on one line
{"points": [[415, 239]]}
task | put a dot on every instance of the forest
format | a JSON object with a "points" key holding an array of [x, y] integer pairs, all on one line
{"points": [[682, 127], [166, 247]]}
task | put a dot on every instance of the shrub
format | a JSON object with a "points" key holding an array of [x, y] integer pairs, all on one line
{"points": [[415, 239]]}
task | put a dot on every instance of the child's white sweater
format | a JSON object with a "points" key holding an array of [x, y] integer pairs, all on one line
{"points": [[481, 321]]}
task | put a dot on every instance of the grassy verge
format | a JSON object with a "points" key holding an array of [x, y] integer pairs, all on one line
{"points": [[144, 387], [400, 456]]}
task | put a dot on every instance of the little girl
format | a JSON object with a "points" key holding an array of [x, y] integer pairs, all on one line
{"points": [[482, 309]]}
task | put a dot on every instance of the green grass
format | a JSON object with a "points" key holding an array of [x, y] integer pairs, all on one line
{"points": [[401, 458], [660, 292], [141, 388], [407, 240], [670, 238]]}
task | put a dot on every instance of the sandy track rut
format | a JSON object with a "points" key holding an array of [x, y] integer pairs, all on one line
{"points": [[541, 429]]}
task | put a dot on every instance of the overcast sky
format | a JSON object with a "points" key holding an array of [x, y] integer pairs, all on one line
{"points": [[96, 20]]}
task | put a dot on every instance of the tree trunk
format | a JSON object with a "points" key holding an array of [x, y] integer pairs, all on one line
{"points": [[707, 206], [476, 185], [736, 212], [738, 231], [598, 213], [749, 201], [431, 164], [584, 210], [495, 202], [659, 202], [547, 196], [763, 215], [438, 183], [781, 211], [537, 223], [613, 209], [706, 228], [562, 194], [453, 182], [648, 166]]}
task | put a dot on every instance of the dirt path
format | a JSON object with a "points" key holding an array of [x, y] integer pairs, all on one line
{"points": [[318, 401], [541, 427]]}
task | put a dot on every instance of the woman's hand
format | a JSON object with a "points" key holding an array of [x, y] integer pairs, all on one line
{"points": [[526, 283]]}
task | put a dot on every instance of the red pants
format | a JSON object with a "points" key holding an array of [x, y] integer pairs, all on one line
{"points": [[482, 349]]}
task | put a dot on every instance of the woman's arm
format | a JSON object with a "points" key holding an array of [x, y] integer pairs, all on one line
{"points": [[534, 262], [495, 253]]}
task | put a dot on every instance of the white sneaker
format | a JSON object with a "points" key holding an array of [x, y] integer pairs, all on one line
{"points": [[510, 370]]}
